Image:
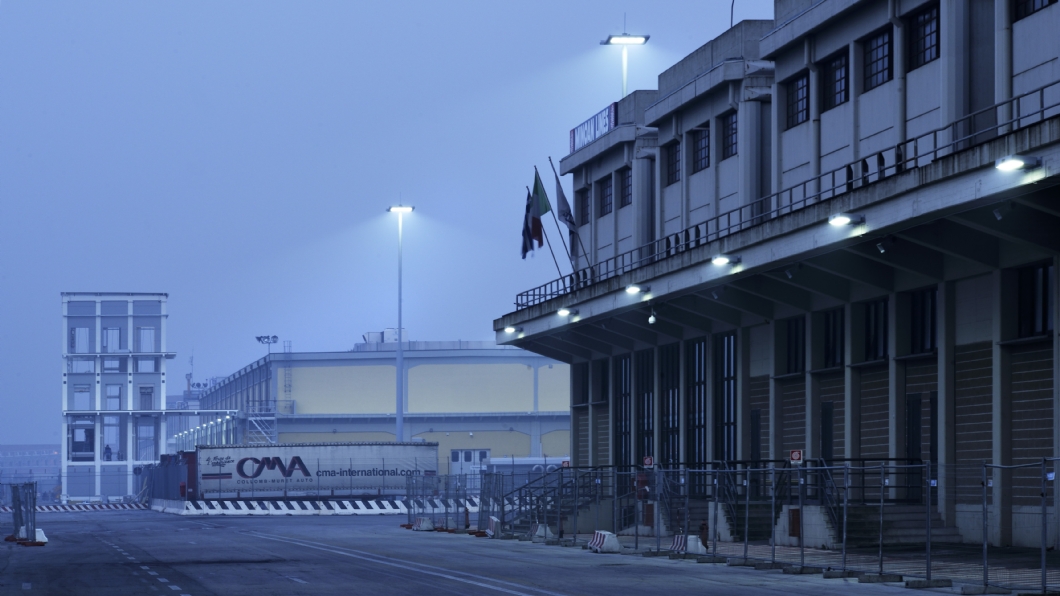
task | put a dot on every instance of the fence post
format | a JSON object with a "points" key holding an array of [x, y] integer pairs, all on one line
{"points": [[927, 543], [686, 487], [659, 488], [1044, 522], [773, 512], [576, 505], [614, 499], [714, 528], [636, 518], [846, 501], [746, 510], [986, 573], [883, 479], [596, 490], [802, 524]]}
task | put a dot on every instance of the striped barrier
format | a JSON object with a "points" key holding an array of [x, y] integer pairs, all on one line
{"points": [[679, 544], [313, 507], [604, 542], [85, 507]]}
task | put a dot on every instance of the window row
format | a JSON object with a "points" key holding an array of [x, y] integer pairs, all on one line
{"points": [[112, 445], [82, 399], [604, 192], [113, 365], [700, 139], [113, 340]]}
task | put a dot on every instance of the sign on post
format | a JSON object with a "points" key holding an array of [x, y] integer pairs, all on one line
{"points": [[649, 461], [795, 456], [566, 463]]}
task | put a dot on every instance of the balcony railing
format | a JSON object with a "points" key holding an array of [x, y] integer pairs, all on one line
{"points": [[971, 130]]}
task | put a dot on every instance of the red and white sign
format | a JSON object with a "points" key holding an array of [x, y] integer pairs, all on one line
{"points": [[649, 461], [566, 463], [795, 456]]}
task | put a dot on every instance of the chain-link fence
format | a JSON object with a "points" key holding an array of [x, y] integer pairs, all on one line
{"points": [[971, 523], [443, 500]]}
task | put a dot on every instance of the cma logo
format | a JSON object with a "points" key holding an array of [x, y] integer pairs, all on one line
{"points": [[270, 463]]}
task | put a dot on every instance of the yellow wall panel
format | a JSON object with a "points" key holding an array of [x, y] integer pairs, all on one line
{"points": [[471, 388], [343, 389], [553, 388], [362, 437], [500, 444], [555, 443]]}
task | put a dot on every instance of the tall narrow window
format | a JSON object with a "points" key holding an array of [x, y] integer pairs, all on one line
{"points": [[835, 88], [82, 398], [147, 398], [701, 148], [796, 328], [581, 197], [922, 321], [696, 407], [670, 404], [111, 439], [601, 379], [112, 339], [875, 330], [146, 365], [725, 397], [113, 397], [1025, 8], [79, 340], [645, 396], [728, 135], [1035, 297], [623, 410], [924, 37], [146, 338], [145, 440], [798, 100], [673, 163], [833, 338], [625, 178], [878, 62], [580, 389], [603, 190]]}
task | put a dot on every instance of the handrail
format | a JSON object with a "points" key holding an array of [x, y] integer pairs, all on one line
{"points": [[968, 131]]}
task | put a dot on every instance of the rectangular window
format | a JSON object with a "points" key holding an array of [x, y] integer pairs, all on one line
{"points": [[147, 398], [878, 62], [701, 148], [146, 337], [83, 365], [603, 191], [79, 340], [580, 384], [1035, 297], [835, 88], [798, 100], [1025, 8], [601, 378], [696, 409], [728, 135], [111, 439], [82, 398], [145, 365], [111, 365], [725, 396], [113, 397], [111, 340], [875, 330], [623, 409], [644, 361], [673, 163], [581, 197], [833, 338], [922, 332], [145, 440], [625, 177], [924, 37], [796, 344]]}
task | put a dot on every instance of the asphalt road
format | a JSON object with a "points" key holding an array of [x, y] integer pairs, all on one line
{"points": [[144, 552]]}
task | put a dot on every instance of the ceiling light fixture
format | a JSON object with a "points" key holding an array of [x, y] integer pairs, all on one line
{"points": [[725, 260], [637, 289], [880, 247], [1011, 163], [511, 329], [566, 312], [651, 319], [845, 219]]}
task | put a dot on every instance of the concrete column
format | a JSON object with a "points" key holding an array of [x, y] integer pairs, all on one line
{"points": [[686, 173], [896, 331], [682, 416], [749, 125], [590, 423], [97, 424], [815, 117], [643, 186], [953, 28], [97, 363], [812, 395], [776, 409], [852, 383], [656, 406], [899, 46], [709, 348], [1056, 393], [854, 69], [947, 397], [743, 390], [1004, 325], [776, 173], [1003, 59]]}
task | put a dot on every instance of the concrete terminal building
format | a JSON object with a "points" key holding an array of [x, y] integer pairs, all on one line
{"points": [[475, 399], [835, 232]]}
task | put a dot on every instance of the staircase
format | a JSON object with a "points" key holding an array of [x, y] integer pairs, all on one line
{"points": [[902, 524]]}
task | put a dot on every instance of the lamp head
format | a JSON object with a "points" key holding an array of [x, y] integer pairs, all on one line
{"points": [[400, 209], [625, 40]]}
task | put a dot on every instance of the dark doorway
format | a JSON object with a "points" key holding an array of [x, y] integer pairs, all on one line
{"points": [[725, 397]]}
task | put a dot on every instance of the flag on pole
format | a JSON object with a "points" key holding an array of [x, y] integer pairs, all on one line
{"points": [[565, 214], [528, 240], [539, 206]]}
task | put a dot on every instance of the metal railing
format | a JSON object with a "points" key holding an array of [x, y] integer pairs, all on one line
{"points": [[964, 133]]}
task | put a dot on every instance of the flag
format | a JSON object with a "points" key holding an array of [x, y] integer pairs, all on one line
{"points": [[565, 214], [539, 206], [528, 240]]}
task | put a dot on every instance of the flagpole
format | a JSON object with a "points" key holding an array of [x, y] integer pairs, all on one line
{"points": [[545, 234], [559, 229], [579, 236]]}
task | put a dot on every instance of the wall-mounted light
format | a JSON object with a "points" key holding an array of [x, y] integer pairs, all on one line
{"points": [[566, 312], [880, 247], [651, 319], [789, 273], [637, 289], [1011, 163], [714, 294], [845, 219], [510, 329], [725, 260]]}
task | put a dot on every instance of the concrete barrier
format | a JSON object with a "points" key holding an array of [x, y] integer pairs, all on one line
{"points": [[423, 524], [604, 542], [695, 546], [491, 530]]}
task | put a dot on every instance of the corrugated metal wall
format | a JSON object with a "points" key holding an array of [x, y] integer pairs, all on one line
{"points": [[973, 386], [832, 388], [1032, 418], [758, 399], [793, 410], [875, 414]]}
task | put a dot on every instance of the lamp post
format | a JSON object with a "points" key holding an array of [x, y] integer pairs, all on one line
{"points": [[625, 40], [399, 434]]}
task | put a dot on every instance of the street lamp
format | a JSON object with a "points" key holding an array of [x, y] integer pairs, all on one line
{"points": [[399, 435], [267, 340], [625, 40]]}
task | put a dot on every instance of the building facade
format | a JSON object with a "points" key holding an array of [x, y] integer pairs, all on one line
{"points": [[113, 388], [477, 400], [840, 235]]}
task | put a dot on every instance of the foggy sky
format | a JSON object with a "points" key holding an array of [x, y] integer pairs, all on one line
{"points": [[240, 157]]}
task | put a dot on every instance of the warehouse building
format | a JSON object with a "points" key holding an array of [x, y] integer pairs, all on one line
{"points": [[836, 232]]}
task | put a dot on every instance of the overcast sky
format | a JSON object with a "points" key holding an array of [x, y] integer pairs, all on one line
{"points": [[239, 156]]}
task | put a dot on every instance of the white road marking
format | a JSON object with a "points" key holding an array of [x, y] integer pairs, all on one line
{"points": [[144, 567], [411, 566], [295, 579], [132, 558], [172, 587], [152, 573], [27, 586], [162, 579]]}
